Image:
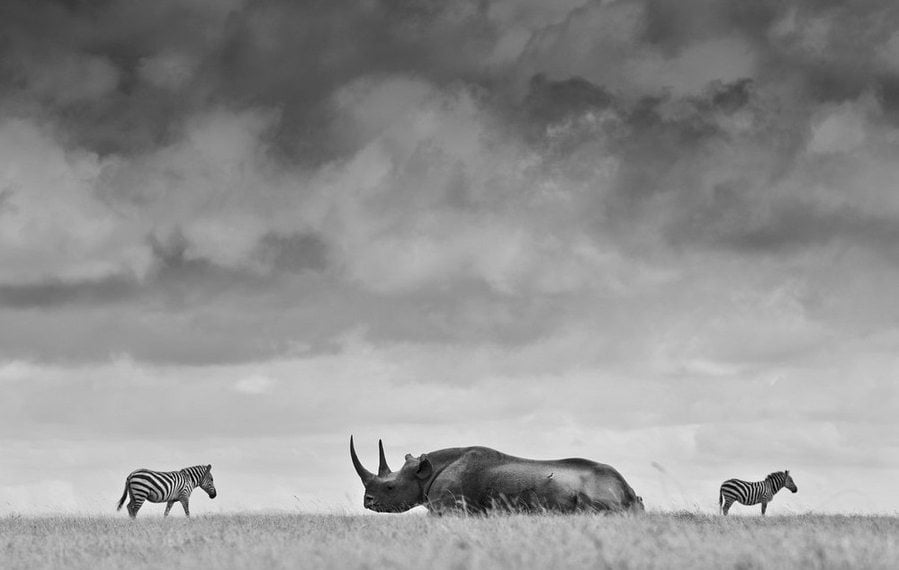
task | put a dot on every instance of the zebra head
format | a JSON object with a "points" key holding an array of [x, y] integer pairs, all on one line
{"points": [[207, 484], [788, 482]]}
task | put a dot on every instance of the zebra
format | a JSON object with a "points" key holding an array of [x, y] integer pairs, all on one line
{"points": [[166, 486], [755, 492]]}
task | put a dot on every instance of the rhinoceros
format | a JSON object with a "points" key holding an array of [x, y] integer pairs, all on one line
{"points": [[480, 480]]}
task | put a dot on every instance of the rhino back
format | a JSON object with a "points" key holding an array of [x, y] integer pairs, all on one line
{"points": [[483, 475], [459, 472], [604, 477]]}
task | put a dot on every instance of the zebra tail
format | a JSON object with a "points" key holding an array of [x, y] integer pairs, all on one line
{"points": [[124, 496], [720, 501]]}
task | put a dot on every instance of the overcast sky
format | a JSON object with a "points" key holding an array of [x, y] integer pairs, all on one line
{"points": [[661, 235]]}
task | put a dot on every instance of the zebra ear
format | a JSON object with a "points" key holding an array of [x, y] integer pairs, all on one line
{"points": [[209, 468]]}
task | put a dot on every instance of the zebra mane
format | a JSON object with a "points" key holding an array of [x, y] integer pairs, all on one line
{"points": [[778, 477], [196, 472]]}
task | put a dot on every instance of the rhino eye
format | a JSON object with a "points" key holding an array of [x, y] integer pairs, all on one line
{"points": [[390, 487]]}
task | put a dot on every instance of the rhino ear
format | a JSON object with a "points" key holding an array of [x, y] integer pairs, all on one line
{"points": [[409, 456], [425, 469]]}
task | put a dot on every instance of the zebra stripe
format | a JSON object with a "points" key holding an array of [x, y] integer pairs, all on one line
{"points": [[166, 487], [754, 492]]}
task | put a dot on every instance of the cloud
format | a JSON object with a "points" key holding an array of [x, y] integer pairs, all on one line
{"points": [[721, 60], [254, 385], [841, 130], [435, 187], [55, 292], [808, 444], [169, 71]]}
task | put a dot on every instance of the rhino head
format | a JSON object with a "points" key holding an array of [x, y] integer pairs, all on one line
{"points": [[393, 491]]}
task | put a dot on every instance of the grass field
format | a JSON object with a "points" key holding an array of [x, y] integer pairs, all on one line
{"points": [[675, 540]]}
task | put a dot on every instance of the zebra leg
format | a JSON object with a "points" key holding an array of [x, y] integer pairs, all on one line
{"points": [[168, 507], [727, 503], [764, 508], [184, 504], [133, 506]]}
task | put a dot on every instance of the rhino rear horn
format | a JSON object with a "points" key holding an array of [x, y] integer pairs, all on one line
{"points": [[383, 468], [363, 473]]}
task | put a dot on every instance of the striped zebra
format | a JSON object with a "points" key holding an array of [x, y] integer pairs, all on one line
{"points": [[754, 492], [166, 487]]}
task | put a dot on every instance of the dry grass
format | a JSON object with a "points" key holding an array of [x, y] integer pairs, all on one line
{"points": [[673, 540]]}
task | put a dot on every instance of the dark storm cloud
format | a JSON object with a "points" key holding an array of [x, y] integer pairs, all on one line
{"points": [[785, 225], [664, 143], [833, 47], [549, 101], [80, 63], [294, 55], [707, 162], [671, 27], [121, 76], [658, 141], [56, 292], [293, 253], [657, 146], [175, 276], [830, 48]]}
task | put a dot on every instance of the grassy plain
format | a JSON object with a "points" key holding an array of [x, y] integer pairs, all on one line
{"points": [[672, 540]]}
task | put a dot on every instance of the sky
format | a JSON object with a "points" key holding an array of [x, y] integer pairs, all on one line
{"points": [[659, 235]]}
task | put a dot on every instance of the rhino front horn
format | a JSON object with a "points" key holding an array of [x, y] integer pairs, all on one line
{"points": [[364, 473], [383, 469]]}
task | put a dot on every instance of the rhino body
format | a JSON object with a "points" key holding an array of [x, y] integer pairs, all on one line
{"points": [[480, 479]]}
